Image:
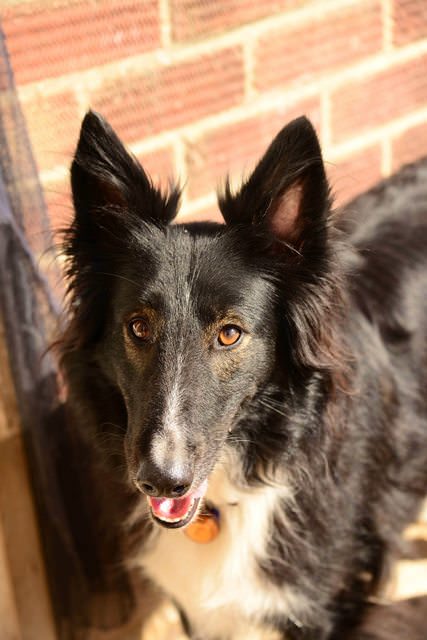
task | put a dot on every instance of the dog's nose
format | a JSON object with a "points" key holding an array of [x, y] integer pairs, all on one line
{"points": [[163, 483]]}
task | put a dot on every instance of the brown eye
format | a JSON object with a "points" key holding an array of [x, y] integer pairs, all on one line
{"points": [[139, 329], [229, 335]]}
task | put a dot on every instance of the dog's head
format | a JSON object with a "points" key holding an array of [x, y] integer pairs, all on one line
{"points": [[191, 323]]}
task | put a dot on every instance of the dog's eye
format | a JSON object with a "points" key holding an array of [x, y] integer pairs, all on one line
{"points": [[139, 328], [229, 335]]}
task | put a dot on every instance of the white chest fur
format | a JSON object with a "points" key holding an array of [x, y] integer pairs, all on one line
{"points": [[219, 585]]}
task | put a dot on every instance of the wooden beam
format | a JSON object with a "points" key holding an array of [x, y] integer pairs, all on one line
{"points": [[24, 600]]}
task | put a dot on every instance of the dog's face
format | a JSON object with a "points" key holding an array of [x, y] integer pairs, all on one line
{"points": [[190, 336], [188, 322]]}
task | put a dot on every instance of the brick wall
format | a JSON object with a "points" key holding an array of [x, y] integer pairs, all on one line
{"points": [[197, 88]]}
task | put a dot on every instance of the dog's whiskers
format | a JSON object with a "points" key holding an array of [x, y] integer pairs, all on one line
{"points": [[272, 406], [119, 276], [113, 424], [242, 440]]}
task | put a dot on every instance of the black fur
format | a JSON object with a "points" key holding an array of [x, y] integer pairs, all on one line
{"points": [[329, 382]]}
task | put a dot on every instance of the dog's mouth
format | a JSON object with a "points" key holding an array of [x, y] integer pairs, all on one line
{"points": [[174, 513]]}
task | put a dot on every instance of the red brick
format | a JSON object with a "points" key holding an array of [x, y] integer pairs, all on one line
{"points": [[355, 174], [159, 165], [171, 96], [193, 19], [53, 123], [382, 97], [235, 149], [410, 145], [45, 41], [409, 21], [328, 42]]}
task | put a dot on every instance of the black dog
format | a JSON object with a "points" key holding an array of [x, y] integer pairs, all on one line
{"points": [[271, 375]]}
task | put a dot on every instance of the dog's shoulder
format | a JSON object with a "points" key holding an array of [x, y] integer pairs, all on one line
{"points": [[386, 230], [394, 210]]}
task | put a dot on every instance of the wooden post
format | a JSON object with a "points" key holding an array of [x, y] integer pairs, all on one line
{"points": [[25, 610]]}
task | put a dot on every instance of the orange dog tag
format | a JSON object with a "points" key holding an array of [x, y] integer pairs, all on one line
{"points": [[204, 529]]}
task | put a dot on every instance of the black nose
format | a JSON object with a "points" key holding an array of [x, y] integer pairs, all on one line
{"points": [[165, 483]]}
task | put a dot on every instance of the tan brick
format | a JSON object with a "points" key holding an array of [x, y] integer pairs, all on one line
{"points": [[409, 145], [169, 96], [329, 42], [204, 214], [354, 174], [380, 98], [235, 148], [53, 123], [192, 19], [409, 21], [46, 40]]}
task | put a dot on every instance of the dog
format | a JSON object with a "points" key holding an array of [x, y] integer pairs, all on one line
{"points": [[267, 377]]}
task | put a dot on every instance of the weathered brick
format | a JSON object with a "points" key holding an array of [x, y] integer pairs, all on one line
{"points": [[409, 145], [330, 41], [192, 19], [369, 103], [235, 148], [50, 40], [169, 96], [409, 21], [354, 174], [53, 123]]}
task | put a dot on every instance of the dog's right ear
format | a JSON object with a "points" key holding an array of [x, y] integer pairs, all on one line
{"points": [[114, 202], [104, 176]]}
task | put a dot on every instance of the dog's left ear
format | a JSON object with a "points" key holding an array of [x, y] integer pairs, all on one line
{"points": [[287, 193]]}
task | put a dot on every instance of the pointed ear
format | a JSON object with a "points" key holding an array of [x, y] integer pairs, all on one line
{"points": [[288, 192], [114, 201], [105, 176]]}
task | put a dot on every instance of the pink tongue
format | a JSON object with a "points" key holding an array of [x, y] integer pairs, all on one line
{"points": [[171, 507]]}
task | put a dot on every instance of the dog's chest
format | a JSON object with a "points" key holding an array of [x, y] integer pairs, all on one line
{"points": [[219, 585]]}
